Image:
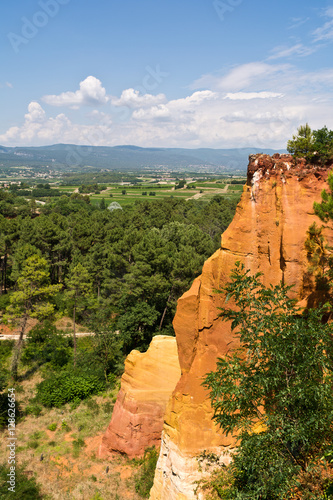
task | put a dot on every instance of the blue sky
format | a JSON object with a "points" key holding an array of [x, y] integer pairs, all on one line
{"points": [[178, 73]]}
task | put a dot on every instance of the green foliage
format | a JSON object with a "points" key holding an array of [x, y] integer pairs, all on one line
{"points": [[180, 184], [316, 145], [323, 143], [46, 344], [32, 289], [52, 427], [4, 410], [67, 387], [117, 250], [4, 301], [145, 477], [88, 188], [107, 351], [25, 488], [319, 253], [324, 210], [6, 349], [33, 409], [301, 144], [78, 444], [283, 383], [30, 299]]}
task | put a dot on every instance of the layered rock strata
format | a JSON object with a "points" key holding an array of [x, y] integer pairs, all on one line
{"points": [[146, 386], [267, 234]]}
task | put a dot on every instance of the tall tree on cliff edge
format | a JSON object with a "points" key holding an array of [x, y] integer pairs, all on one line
{"points": [[315, 146], [275, 393], [30, 299], [301, 145]]}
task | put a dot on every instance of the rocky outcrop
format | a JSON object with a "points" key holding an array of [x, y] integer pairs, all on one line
{"points": [[267, 234], [146, 386]]}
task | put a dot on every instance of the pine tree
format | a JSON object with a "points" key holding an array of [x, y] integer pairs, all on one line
{"points": [[79, 289], [30, 300]]}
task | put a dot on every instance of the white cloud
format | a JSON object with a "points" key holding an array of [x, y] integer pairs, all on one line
{"points": [[295, 50], [242, 96], [325, 32], [132, 99], [296, 22], [272, 101], [39, 129], [241, 77], [6, 84], [91, 93]]}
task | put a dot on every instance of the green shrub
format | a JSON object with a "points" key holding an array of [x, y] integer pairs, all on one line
{"points": [[4, 411], [108, 407], [6, 349], [4, 302], [33, 409], [93, 406], [33, 444], [46, 344], [52, 427], [65, 427], [145, 477], [3, 379], [25, 488], [67, 387], [78, 444]]}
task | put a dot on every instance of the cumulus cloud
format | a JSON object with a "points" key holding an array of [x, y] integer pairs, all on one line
{"points": [[91, 93], [258, 104], [133, 99], [38, 129]]}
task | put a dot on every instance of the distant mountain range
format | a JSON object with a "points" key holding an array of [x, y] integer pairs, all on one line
{"points": [[69, 157]]}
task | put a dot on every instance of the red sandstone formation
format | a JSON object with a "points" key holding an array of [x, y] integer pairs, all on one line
{"points": [[146, 387], [267, 234]]}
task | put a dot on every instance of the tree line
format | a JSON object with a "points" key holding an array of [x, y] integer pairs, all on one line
{"points": [[138, 260]]}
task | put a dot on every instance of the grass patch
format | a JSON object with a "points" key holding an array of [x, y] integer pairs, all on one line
{"points": [[145, 477]]}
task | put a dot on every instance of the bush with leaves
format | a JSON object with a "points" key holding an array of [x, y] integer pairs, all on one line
{"points": [[69, 386], [4, 410], [145, 477], [281, 377], [46, 344], [25, 488]]}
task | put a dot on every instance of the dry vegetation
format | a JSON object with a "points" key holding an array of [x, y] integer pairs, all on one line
{"points": [[70, 467]]}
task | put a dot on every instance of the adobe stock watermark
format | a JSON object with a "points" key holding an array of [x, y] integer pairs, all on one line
{"points": [[31, 27], [11, 440], [223, 7], [152, 79]]}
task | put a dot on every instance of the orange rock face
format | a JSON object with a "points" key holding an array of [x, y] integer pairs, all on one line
{"points": [[267, 234], [146, 387]]}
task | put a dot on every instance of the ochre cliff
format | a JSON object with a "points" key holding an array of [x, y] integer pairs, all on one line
{"points": [[146, 386], [267, 234]]}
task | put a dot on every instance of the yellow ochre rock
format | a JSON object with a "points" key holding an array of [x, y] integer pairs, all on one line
{"points": [[146, 387], [267, 234]]}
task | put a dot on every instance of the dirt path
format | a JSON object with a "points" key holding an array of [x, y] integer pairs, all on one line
{"points": [[213, 191]]}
